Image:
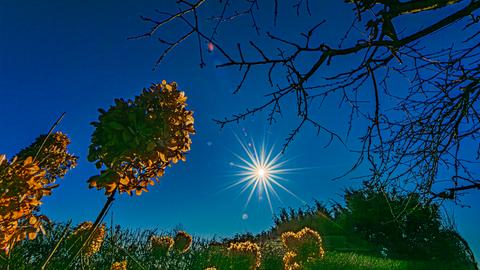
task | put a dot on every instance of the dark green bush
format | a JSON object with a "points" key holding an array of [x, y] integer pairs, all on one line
{"points": [[400, 226], [383, 224]]}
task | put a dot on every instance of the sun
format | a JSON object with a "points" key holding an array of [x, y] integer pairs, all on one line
{"points": [[261, 171]]}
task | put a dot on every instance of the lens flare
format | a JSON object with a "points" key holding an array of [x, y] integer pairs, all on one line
{"points": [[262, 172]]}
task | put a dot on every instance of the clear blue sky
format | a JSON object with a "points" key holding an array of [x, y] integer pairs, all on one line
{"points": [[73, 56]]}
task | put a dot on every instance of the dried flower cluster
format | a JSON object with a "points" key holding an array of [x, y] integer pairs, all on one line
{"points": [[23, 183], [302, 246], [80, 235], [135, 140], [249, 249], [52, 155], [289, 261], [161, 245], [183, 242], [119, 265]]}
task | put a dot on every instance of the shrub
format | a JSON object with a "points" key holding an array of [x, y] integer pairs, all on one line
{"points": [[400, 226]]}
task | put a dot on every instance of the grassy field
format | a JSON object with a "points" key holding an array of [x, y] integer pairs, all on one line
{"points": [[308, 239], [346, 261], [135, 248]]}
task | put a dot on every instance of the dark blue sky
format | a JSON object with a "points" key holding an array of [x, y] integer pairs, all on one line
{"points": [[73, 56]]}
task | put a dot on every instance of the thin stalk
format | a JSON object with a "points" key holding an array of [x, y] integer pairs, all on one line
{"points": [[111, 237], [8, 260], [97, 222], [50, 256], [48, 134], [132, 257]]}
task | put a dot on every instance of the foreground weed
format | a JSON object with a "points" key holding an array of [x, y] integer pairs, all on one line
{"points": [[303, 246]]}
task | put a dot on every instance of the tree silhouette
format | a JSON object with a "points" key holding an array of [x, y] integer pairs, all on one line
{"points": [[414, 135]]}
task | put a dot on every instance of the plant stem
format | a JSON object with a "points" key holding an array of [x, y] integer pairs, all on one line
{"points": [[131, 257], [50, 256], [97, 222], [48, 134]]}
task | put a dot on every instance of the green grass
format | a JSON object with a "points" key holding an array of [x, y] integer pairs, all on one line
{"points": [[133, 246], [346, 261]]}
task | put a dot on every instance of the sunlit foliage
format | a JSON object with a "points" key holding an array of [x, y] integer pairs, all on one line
{"points": [[23, 184], [135, 140], [24, 181]]}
